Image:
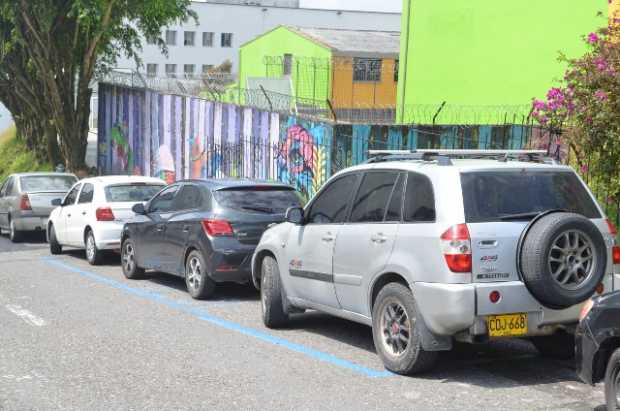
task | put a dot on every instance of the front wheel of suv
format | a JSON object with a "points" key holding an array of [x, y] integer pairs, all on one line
{"points": [[396, 334], [272, 304]]}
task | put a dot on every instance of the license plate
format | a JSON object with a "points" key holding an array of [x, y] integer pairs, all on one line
{"points": [[507, 325]]}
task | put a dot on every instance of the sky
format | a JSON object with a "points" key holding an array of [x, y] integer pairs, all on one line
{"points": [[374, 5]]}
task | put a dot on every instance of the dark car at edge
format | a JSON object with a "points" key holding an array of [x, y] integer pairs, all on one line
{"points": [[203, 230]]}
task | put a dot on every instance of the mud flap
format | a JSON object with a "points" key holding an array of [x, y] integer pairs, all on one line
{"points": [[431, 341]]}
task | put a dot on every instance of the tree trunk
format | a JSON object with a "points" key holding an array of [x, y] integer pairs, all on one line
{"points": [[53, 149]]}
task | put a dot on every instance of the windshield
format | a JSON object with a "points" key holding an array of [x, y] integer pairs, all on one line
{"points": [[47, 183], [499, 196], [268, 200], [131, 192]]}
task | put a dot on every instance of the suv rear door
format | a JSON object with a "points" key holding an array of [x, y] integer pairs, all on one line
{"points": [[365, 242], [499, 204], [310, 247]]}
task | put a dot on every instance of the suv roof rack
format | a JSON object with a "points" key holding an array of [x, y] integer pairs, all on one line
{"points": [[443, 156]]}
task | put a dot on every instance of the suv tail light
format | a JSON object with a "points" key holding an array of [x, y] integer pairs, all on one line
{"points": [[24, 203], [615, 253], [104, 214], [612, 228], [217, 228], [456, 247]]}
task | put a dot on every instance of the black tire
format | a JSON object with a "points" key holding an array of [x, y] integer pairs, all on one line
{"points": [[15, 235], [413, 359], [129, 264], [55, 247], [199, 285], [94, 256], [271, 294], [559, 346], [612, 381], [540, 246]]}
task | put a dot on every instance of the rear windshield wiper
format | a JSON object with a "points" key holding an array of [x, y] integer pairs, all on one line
{"points": [[259, 209], [520, 216]]}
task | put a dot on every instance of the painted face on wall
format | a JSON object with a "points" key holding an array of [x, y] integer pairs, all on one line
{"points": [[165, 165], [298, 149]]}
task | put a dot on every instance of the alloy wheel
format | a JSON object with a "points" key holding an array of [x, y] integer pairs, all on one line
{"points": [[395, 328], [90, 247], [572, 259], [128, 257], [194, 273]]}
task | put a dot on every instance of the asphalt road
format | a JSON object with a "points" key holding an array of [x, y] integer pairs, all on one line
{"points": [[76, 337]]}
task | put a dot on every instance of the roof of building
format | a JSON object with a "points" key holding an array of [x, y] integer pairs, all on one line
{"points": [[354, 43]]}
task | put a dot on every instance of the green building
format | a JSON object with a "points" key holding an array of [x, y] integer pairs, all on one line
{"points": [[486, 59]]}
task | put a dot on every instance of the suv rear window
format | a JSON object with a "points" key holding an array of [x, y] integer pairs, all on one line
{"points": [[131, 192], [268, 200], [46, 183], [492, 196]]}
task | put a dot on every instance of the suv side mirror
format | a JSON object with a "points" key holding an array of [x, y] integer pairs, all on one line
{"points": [[295, 215], [139, 209], [56, 202]]}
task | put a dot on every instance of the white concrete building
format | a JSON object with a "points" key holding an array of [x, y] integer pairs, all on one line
{"points": [[224, 25]]}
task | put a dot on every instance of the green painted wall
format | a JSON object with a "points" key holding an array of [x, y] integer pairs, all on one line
{"points": [[486, 58], [282, 41]]}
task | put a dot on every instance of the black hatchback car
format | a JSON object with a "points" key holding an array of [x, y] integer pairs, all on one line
{"points": [[597, 345], [203, 230]]}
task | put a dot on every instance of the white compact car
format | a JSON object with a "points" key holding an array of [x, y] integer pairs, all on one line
{"points": [[92, 214]]}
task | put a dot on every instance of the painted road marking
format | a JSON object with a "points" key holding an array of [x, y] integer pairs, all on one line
{"points": [[25, 315], [229, 325]]}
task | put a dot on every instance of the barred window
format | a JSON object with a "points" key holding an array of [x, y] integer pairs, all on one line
{"points": [[207, 39], [365, 69]]}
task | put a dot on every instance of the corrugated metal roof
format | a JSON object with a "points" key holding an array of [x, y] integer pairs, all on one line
{"points": [[356, 43]]}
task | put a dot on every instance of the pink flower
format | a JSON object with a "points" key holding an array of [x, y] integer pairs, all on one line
{"points": [[539, 105], [600, 63], [592, 38], [601, 95], [584, 169]]}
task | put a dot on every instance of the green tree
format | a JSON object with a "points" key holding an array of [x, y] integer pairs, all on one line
{"points": [[64, 44]]}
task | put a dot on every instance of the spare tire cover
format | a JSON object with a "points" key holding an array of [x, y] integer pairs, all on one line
{"points": [[563, 258]]}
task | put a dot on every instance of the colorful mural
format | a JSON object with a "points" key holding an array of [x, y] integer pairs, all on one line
{"points": [[175, 137]]}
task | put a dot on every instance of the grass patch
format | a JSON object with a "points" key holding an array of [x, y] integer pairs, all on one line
{"points": [[15, 156]]}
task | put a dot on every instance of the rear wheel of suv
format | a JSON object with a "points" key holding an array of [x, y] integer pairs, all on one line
{"points": [[199, 285], [563, 259], [560, 346], [612, 381], [129, 262], [272, 303], [395, 333]]}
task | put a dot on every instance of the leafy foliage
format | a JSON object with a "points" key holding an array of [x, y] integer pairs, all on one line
{"points": [[586, 108]]}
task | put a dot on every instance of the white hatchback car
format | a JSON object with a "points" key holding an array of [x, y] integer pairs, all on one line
{"points": [[92, 214]]}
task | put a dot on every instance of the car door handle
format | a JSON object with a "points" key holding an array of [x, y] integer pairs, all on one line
{"points": [[160, 228], [328, 238], [69, 215], [83, 212], [378, 238], [186, 229]]}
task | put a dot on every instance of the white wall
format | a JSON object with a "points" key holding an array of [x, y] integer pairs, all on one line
{"points": [[246, 23]]}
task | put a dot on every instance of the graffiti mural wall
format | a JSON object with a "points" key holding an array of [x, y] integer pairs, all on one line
{"points": [[175, 137]]}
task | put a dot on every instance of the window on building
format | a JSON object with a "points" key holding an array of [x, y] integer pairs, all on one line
{"points": [[171, 70], [396, 67], [188, 38], [151, 70], [207, 39], [188, 70], [365, 69], [227, 39], [287, 64], [206, 68], [171, 37]]}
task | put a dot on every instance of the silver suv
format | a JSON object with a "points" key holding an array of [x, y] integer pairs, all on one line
{"points": [[428, 248]]}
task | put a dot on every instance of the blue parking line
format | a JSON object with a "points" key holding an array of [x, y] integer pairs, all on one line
{"points": [[229, 325]]}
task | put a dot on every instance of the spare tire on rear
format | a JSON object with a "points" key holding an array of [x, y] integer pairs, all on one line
{"points": [[562, 259]]}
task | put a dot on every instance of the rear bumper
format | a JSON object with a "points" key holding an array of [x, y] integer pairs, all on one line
{"points": [[231, 266], [30, 223], [108, 235], [449, 309]]}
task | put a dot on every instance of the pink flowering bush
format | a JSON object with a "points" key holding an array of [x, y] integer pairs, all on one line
{"points": [[586, 108]]}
